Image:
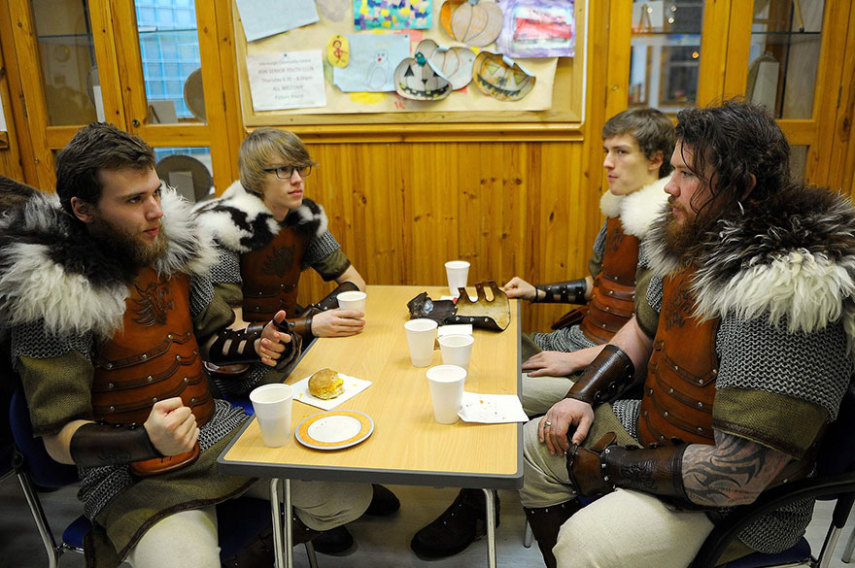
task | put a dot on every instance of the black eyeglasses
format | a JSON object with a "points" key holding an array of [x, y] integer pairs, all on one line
{"points": [[285, 172]]}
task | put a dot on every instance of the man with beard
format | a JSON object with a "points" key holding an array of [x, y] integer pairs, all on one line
{"points": [[111, 310], [744, 349], [637, 144]]}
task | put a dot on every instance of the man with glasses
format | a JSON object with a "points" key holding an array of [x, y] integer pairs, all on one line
{"points": [[269, 233]]}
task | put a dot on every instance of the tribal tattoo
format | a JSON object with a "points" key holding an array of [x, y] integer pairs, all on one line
{"points": [[732, 472]]}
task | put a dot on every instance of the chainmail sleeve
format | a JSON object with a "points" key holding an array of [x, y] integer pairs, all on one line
{"points": [[595, 262], [56, 374], [319, 248], [227, 268]]}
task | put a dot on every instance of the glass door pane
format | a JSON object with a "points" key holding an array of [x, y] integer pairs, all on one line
{"points": [[172, 68], [786, 38], [67, 57], [666, 52]]}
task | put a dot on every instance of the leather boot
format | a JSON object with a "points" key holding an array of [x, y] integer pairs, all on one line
{"points": [[383, 502], [456, 528], [545, 522], [333, 541], [260, 552]]}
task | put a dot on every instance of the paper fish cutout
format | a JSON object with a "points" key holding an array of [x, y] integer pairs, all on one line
{"points": [[474, 22], [455, 64], [500, 77], [415, 79]]}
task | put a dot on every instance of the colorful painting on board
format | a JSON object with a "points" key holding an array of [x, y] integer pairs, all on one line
{"points": [[392, 14], [538, 28]]}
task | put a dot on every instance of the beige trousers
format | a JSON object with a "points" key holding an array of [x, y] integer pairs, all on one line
{"points": [[189, 538], [623, 528]]}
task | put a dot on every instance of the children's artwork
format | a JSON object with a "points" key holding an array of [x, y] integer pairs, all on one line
{"points": [[455, 64], [538, 28], [372, 61], [338, 51], [263, 18], [500, 77], [392, 14], [473, 22], [415, 79], [280, 81]]}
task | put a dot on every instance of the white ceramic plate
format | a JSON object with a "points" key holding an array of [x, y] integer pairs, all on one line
{"points": [[334, 430]]}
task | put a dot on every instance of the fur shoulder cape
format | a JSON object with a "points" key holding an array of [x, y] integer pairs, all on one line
{"points": [[51, 270], [639, 209], [241, 222], [791, 257]]}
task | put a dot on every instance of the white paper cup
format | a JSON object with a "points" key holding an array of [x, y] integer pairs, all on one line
{"points": [[272, 405], [421, 334], [457, 272], [456, 350], [446, 391], [354, 300]]}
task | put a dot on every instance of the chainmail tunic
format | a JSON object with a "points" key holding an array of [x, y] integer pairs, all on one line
{"points": [[756, 355], [571, 338]]}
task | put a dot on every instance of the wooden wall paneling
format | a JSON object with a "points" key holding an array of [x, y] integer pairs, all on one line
{"points": [[37, 159], [842, 162]]}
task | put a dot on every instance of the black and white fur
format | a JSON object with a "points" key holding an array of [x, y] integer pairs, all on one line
{"points": [[51, 270]]}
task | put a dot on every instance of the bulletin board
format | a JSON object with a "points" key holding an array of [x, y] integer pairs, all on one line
{"points": [[557, 96]]}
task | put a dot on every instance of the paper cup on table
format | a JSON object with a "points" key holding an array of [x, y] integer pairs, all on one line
{"points": [[456, 350], [446, 391], [354, 300], [272, 405], [457, 272], [421, 334]]}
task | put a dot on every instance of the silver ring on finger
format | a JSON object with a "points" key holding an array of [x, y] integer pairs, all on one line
{"points": [[547, 424]]}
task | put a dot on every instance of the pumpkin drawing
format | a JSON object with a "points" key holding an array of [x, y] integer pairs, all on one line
{"points": [[415, 79], [500, 77], [455, 64], [474, 22]]}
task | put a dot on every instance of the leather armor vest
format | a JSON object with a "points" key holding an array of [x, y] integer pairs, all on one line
{"points": [[680, 385], [154, 356], [612, 301], [271, 274]]}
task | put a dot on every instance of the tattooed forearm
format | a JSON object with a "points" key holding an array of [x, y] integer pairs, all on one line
{"points": [[732, 472]]}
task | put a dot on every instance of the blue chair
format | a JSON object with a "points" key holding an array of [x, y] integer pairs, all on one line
{"points": [[240, 520]]}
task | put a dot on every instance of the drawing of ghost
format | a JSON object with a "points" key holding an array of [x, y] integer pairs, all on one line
{"points": [[379, 71]]}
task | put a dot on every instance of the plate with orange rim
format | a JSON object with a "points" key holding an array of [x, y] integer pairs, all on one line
{"points": [[334, 430]]}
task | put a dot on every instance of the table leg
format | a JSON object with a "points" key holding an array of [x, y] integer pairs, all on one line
{"points": [[289, 535], [278, 545], [491, 528]]}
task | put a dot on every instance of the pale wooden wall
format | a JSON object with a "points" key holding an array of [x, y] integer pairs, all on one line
{"points": [[510, 208]]}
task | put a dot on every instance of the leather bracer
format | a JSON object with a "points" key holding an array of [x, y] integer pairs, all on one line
{"points": [[96, 444], [609, 375], [234, 346], [570, 292], [302, 326], [656, 470]]}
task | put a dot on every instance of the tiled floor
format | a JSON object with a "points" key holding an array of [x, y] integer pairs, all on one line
{"points": [[381, 542]]}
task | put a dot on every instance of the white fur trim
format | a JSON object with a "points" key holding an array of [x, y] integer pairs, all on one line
{"points": [[222, 226], [67, 302], [610, 204], [191, 249], [640, 208], [804, 287]]}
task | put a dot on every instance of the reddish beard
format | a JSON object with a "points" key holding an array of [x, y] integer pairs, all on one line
{"points": [[130, 245], [681, 238]]}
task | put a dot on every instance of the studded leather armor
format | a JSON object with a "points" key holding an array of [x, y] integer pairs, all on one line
{"points": [[612, 301], [155, 355], [680, 384]]}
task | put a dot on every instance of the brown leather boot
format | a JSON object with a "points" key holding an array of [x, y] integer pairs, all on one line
{"points": [[260, 552], [545, 522]]}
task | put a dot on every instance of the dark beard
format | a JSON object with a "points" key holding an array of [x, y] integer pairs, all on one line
{"points": [[682, 241], [126, 246]]}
